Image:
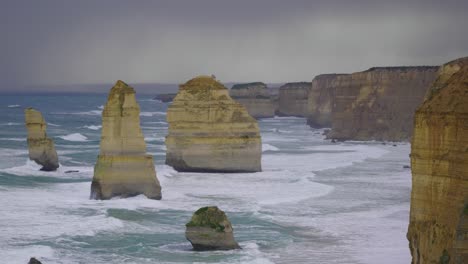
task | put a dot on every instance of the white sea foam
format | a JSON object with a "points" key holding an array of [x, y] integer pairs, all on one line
{"points": [[13, 139], [14, 106], [101, 107], [52, 124], [152, 113], [31, 168], [77, 137], [93, 127], [92, 112], [10, 124], [148, 139], [268, 147]]}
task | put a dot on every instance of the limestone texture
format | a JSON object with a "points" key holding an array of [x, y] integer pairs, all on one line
{"points": [[320, 100], [210, 229], [379, 104], [438, 229], [255, 97], [123, 168], [41, 148], [210, 132], [293, 99]]}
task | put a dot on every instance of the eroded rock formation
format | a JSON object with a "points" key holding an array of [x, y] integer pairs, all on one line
{"points": [[210, 132], [320, 100], [210, 229], [293, 99], [255, 97], [379, 104], [41, 148], [165, 98], [438, 230], [123, 168]]}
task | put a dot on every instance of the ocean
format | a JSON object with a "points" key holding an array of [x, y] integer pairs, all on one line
{"points": [[314, 202]]}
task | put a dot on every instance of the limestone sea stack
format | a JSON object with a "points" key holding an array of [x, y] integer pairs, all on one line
{"points": [[210, 229], [438, 229], [210, 132], [255, 97], [165, 98], [320, 100], [293, 99], [123, 168], [41, 148], [379, 104]]}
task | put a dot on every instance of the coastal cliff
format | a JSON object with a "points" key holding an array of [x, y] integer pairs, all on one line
{"points": [[378, 104], [210, 132], [320, 100], [41, 148], [293, 99], [438, 229], [123, 168], [255, 97]]}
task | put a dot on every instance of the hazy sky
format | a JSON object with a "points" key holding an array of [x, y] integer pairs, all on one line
{"points": [[99, 41]]}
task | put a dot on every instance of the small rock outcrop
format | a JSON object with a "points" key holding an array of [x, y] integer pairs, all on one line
{"points": [[255, 97], [41, 148], [438, 229], [123, 168], [34, 261], [210, 229], [379, 104], [165, 98], [293, 99], [210, 132], [320, 100]]}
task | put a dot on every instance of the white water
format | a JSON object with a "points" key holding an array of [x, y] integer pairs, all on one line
{"points": [[77, 137]]}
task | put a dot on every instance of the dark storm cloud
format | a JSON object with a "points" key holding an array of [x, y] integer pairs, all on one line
{"points": [[62, 42]]}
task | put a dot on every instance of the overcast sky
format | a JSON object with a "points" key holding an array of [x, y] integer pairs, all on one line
{"points": [[140, 41]]}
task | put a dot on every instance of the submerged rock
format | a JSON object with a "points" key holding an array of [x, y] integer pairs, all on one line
{"points": [[438, 229], [34, 261], [41, 148], [210, 132], [123, 168], [255, 97], [165, 98], [210, 229], [293, 99]]}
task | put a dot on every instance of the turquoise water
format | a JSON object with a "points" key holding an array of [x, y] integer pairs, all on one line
{"points": [[314, 202]]}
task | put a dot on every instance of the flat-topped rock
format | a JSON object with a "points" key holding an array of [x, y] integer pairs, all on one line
{"points": [[210, 229], [123, 168], [41, 148], [293, 99], [210, 132], [255, 97]]}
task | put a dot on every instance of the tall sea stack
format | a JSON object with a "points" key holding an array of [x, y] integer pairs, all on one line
{"points": [[210, 132], [293, 99], [41, 148], [123, 168], [379, 104], [438, 229], [255, 97]]}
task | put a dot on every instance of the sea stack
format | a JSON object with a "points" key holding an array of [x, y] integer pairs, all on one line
{"points": [[438, 229], [378, 104], [123, 168], [210, 132], [293, 99], [210, 229], [41, 148], [255, 97]]}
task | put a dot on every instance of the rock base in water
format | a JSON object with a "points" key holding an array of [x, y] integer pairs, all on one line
{"points": [[210, 229]]}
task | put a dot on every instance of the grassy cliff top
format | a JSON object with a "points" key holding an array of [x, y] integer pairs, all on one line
{"points": [[240, 86]]}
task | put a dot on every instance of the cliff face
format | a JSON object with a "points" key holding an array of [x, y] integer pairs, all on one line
{"points": [[378, 104], [293, 99], [41, 148], [320, 100], [123, 168], [438, 230], [209, 131], [255, 97]]}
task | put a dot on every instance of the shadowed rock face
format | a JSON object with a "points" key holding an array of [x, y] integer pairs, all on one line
{"points": [[320, 100], [210, 132], [438, 229], [34, 261], [378, 104], [210, 229], [255, 97], [123, 168], [293, 99], [41, 148], [165, 98]]}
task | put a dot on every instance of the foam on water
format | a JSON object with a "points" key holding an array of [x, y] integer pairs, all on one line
{"points": [[14, 106], [93, 127], [152, 113], [31, 168], [52, 124], [268, 147], [13, 139], [76, 137]]}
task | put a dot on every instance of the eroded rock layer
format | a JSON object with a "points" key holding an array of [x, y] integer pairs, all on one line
{"points": [[41, 148], [438, 230], [209, 131], [255, 97], [320, 100], [379, 104], [123, 168], [293, 99]]}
